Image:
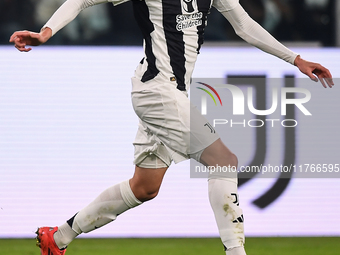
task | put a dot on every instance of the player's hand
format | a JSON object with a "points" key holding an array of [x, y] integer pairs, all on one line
{"points": [[315, 71], [23, 38]]}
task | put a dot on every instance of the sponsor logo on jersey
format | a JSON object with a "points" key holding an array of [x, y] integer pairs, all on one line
{"points": [[190, 16], [185, 21]]}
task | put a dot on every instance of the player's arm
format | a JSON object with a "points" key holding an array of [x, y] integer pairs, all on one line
{"points": [[64, 15], [254, 34]]}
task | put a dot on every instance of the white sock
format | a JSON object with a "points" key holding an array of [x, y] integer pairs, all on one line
{"points": [[223, 198], [64, 235], [236, 251], [104, 209]]}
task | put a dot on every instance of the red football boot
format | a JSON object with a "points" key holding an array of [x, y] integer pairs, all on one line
{"points": [[46, 241]]}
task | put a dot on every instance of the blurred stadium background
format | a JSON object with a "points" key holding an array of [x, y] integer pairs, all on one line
{"points": [[315, 21], [53, 125]]}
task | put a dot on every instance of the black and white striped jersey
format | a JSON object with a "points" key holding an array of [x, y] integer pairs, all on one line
{"points": [[172, 30], [173, 33]]}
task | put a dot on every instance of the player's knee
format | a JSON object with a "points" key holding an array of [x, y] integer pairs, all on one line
{"points": [[228, 158], [217, 154], [144, 194], [150, 194]]}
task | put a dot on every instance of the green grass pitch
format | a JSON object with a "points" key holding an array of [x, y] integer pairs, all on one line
{"points": [[181, 246]]}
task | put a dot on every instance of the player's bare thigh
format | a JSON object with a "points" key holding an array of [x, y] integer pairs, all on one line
{"points": [[146, 182]]}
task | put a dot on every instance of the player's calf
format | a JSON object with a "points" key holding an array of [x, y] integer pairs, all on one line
{"points": [[104, 209], [224, 201]]}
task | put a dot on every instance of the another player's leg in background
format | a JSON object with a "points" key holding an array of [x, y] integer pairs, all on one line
{"points": [[143, 186], [223, 197]]}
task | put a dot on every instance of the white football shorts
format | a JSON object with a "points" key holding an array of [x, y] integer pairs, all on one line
{"points": [[170, 127]]}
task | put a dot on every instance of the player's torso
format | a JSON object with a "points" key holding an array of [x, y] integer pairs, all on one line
{"points": [[173, 33]]}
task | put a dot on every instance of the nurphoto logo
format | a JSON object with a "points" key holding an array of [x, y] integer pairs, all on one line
{"points": [[239, 100]]}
